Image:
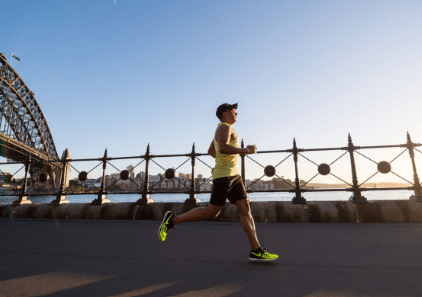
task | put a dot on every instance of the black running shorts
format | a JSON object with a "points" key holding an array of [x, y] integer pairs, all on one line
{"points": [[227, 187]]}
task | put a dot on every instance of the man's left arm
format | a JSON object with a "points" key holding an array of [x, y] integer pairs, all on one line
{"points": [[211, 150]]}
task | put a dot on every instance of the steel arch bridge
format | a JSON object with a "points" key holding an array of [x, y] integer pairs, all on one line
{"points": [[23, 126]]}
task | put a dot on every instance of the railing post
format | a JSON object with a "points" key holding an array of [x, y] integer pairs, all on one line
{"points": [[357, 196], [101, 195], [298, 199], [146, 199], [61, 195], [242, 164], [192, 193], [418, 189], [23, 196]]}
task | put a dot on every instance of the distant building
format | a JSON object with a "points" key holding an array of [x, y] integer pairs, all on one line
{"points": [[3, 177], [258, 186], [204, 185], [131, 170], [141, 176]]}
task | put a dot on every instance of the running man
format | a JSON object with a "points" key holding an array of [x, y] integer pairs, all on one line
{"points": [[227, 184]]}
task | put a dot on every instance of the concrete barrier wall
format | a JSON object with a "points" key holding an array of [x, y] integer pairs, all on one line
{"points": [[386, 211]]}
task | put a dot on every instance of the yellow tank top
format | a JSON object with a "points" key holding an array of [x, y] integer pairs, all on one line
{"points": [[225, 165]]}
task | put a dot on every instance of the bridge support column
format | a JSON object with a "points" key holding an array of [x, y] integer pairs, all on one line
{"points": [[23, 196], [64, 181]]}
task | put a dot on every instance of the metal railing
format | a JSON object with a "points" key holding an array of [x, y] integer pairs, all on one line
{"points": [[146, 189]]}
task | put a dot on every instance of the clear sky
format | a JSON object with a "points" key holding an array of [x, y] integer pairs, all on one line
{"points": [[122, 74]]}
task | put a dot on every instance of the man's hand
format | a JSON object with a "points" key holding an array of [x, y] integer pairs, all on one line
{"points": [[251, 149]]}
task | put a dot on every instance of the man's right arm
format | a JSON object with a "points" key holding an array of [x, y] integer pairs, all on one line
{"points": [[225, 148]]}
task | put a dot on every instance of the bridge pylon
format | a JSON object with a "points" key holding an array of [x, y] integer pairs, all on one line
{"points": [[62, 179]]}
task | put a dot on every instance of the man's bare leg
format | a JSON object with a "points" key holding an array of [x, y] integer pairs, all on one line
{"points": [[198, 214], [247, 222]]}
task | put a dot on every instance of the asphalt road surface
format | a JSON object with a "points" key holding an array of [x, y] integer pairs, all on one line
{"points": [[125, 258]]}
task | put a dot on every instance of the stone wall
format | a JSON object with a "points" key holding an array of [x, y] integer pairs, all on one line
{"points": [[385, 211]]}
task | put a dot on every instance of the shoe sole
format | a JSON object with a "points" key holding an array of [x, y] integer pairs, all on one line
{"points": [[262, 260], [159, 229]]}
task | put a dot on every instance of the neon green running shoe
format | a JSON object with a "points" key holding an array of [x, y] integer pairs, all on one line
{"points": [[165, 226], [262, 255]]}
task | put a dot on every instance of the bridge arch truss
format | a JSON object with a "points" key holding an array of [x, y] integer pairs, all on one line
{"points": [[21, 117]]}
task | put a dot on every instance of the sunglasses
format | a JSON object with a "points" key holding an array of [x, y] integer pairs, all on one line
{"points": [[232, 111]]}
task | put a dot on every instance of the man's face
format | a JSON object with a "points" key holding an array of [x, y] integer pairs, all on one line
{"points": [[231, 116]]}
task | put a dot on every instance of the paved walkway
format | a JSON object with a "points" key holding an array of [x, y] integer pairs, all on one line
{"points": [[125, 258]]}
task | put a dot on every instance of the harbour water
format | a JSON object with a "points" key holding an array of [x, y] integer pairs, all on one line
{"points": [[312, 196]]}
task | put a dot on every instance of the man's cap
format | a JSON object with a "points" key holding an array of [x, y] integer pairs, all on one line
{"points": [[224, 107]]}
